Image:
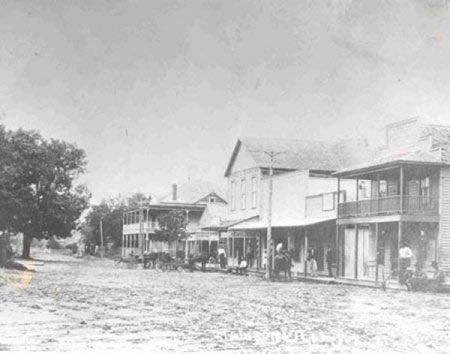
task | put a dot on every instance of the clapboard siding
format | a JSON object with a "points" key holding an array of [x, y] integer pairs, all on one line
{"points": [[444, 226]]}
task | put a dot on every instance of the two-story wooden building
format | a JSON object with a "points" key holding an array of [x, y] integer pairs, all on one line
{"points": [[304, 200], [401, 196], [203, 208]]}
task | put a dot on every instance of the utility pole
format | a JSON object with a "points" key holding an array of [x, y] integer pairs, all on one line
{"points": [[270, 248], [101, 238]]}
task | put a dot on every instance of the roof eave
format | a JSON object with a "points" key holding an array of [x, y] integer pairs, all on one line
{"points": [[373, 168], [233, 157]]}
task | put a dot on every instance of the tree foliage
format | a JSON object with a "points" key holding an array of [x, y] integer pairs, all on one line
{"points": [[37, 192], [110, 212], [172, 226]]}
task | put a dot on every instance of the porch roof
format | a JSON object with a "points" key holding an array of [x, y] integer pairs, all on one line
{"points": [[226, 224], [410, 158], [262, 224]]}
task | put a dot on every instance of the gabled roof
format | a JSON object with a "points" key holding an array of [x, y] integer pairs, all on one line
{"points": [[194, 191], [296, 154]]}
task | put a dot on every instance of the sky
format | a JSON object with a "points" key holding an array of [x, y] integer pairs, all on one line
{"points": [[158, 92]]}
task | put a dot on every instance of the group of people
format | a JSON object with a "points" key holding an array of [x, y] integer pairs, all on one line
{"points": [[416, 279]]}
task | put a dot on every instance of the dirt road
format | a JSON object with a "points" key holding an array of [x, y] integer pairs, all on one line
{"points": [[76, 305]]}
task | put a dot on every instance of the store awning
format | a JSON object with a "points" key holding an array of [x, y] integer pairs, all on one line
{"points": [[262, 224]]}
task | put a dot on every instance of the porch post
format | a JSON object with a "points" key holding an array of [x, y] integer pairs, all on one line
{"points": [[376, 251], [306, 251], [357, 196], [232, 247], [378, 193], [356, 249], [401, 189], [337, 252], [400, 236]]}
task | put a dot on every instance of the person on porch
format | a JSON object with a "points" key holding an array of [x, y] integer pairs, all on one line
{"points": [[404, 254]]}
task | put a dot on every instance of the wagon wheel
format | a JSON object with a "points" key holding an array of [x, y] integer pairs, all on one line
{"points": [[158, 267], [180, 269]]}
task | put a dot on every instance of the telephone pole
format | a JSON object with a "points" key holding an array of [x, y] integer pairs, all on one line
{"points": [[270, 249]]}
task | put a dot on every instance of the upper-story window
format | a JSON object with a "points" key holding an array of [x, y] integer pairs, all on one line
{"points": [[364, 189], [243, 193], [212, 199], [328, 200], [382, 191], [233, 195], [425, 187], [254, 195]]}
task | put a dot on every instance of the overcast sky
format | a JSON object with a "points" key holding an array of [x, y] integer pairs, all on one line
{"points": [[156, 91]]}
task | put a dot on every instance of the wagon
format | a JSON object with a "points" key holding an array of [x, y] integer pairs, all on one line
{"points": [[178, 265], [130, 261]]}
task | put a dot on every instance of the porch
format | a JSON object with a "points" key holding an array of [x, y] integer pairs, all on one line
{"points": [[369, 252]]}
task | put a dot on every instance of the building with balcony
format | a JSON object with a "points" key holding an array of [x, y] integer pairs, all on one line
{"points": [[401, 196], [201, 205], [304, 202]]}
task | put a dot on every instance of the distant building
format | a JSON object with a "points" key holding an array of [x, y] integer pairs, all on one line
{"points": [[202, 206], [402, 195]]}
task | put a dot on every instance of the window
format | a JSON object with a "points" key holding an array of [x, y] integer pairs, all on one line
{"points": [[328, 201], [254, 195], [425, 187], [382, 189], [243, 193], [212, 200], [233, 195], [364, 189]]}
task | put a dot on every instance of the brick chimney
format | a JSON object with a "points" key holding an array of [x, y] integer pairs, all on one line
{"points": [[174, 192]]}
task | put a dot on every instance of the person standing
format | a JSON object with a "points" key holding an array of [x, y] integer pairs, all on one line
{"points": [[404, 254], [330, 261], [312, 262]]}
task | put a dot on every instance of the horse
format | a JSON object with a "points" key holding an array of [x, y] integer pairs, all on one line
{"points": [[202, 258], [282, 263]]}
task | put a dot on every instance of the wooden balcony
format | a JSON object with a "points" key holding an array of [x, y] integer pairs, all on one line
{"points": [[412, 205]]}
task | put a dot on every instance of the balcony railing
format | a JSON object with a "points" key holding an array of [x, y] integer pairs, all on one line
{"points": [[412, 205]]}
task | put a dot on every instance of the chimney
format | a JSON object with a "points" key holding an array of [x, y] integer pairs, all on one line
{"points": [[174, 192]]}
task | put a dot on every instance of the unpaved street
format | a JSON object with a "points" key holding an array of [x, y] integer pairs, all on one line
{"points": [[76, 305]]}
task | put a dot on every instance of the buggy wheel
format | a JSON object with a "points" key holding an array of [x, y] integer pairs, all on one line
{"points": [[158, 267], [180, 269]]}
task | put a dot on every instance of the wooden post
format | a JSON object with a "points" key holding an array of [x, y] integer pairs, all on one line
{"points": [[270, 253], [378, 193], [337, 252], [101, 233], [357, 196], [376, 251], [400, 236], [401, 189], [306, 252], [356, 249], [232, 248]]}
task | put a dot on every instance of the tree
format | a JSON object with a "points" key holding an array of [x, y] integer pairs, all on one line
{"points": [[37, 188], [110, 212], [172, 227]]}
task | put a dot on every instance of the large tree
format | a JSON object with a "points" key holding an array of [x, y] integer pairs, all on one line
{"points": [[37, 191], [172, 227]]}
